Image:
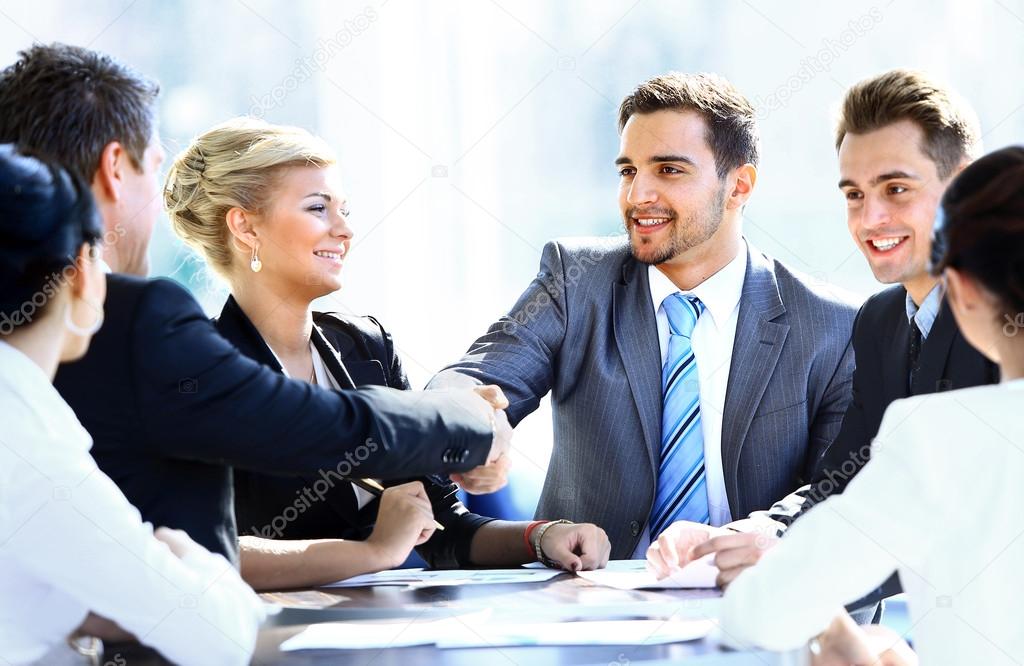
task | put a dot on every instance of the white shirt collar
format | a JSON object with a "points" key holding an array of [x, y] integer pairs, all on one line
{"points": [[26, 379], [22, 371], [720, 293]]}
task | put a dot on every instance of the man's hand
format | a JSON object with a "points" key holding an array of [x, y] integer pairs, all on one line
{"points": [[674, 548], [493, 395], [493, 475], [502, 444], [489, 403], [735, 552], [577, 547], [405, 519], [484, 479]]}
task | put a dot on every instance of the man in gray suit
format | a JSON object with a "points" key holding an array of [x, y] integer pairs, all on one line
{"points": [[692, 378]]}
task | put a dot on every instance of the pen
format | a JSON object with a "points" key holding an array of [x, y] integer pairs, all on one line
{"points": [[374, 488]]}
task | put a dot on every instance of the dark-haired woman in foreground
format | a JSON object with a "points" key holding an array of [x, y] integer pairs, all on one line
{"points": [[942, 500], [74, 554]]}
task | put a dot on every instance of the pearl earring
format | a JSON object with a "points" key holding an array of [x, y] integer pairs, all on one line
{"points": [[255, 264]]}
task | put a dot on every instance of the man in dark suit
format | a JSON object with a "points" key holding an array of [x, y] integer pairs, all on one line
{"points": [[901, 139], [693, 380], [172, 406]]}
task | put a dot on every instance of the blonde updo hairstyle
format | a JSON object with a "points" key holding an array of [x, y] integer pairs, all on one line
{"points": [[234, 165]]}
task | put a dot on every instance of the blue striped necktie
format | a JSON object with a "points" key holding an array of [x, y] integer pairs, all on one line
{"points": [[682, 488]]}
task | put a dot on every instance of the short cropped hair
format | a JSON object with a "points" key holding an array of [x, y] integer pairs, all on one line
{"points": [[732, 131], [67, 103], [950, 126]]}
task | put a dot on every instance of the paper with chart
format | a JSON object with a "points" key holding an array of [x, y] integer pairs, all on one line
{"points": [[633, 575], [449, 577]]}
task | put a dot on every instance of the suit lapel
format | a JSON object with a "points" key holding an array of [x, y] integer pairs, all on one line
{"points": [[361, 372], [756, 350], [636, 336], [935, 351], [235, 326], [332, 359], [896, 370]]}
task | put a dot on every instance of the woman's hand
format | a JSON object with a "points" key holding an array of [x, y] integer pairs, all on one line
{"points": [[846, 644], [405, 520], [576, 547]]}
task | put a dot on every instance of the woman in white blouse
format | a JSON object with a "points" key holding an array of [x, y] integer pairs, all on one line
{"points": [[75, 557], [942, 499]]}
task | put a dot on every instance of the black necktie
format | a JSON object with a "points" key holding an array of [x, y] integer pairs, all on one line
{"points": [[914, 354]]}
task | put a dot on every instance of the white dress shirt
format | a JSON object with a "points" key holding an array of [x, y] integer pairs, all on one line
{"points": [[326, 379], [71, 543], [712, 342], [940, 502]]}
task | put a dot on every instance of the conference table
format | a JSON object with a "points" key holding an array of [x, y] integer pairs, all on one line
{"points": [[565, 598]]}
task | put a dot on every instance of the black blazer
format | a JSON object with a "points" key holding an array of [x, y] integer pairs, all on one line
{"points": [[172, 407], [357, 351], [881, 341]]}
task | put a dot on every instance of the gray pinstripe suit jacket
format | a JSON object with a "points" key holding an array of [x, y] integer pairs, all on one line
{"points": [[585, 330]]}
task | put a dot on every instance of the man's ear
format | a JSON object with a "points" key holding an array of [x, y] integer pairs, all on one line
{"points": [[108, 180], [742, 182], [960, 167]]}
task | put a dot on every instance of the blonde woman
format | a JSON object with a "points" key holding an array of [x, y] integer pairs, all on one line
{"points": [[264, 206]]}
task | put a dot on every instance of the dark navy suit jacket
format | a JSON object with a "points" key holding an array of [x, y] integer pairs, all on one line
{"points": [[172, 407]]}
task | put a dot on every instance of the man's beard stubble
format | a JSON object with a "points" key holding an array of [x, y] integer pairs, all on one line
{"points": [[695, 230]]}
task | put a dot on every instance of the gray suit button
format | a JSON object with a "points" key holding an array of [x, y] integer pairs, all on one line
{"points": [[634, 527]]}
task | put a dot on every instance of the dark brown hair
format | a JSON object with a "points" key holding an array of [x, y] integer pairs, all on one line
{"points": [[950, 127], [731, 123], [980, 229], [46, 214], [67, 103]]}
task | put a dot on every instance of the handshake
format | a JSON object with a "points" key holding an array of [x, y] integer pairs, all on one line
{"points": [[490, 402]]}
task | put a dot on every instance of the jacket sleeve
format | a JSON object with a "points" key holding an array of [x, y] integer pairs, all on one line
{"points": [[199, 398], [851, 448], [450, 549], [892, 514], [518, 351]]}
